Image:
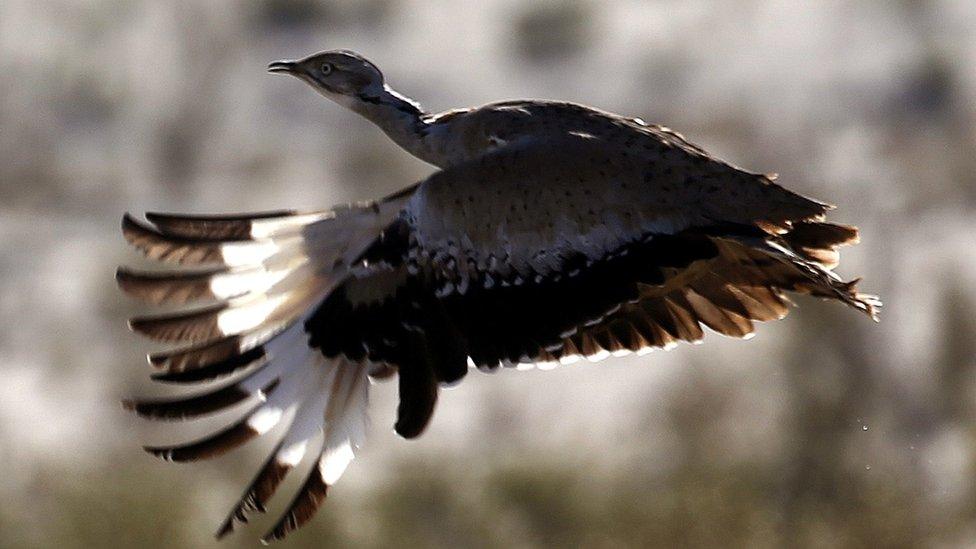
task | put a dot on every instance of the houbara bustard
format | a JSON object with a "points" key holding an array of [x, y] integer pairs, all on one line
{"points": [[552, 231]]}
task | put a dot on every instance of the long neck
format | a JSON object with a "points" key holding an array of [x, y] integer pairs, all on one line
{"points": [[401, 119]]}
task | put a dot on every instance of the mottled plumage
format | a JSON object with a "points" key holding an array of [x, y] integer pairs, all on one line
{"points": [[552, 231]]}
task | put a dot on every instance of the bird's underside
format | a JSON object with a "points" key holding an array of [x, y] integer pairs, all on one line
{"points": [[544, 244]]}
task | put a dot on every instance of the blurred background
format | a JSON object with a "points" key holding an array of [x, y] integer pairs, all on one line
{"points": [[826, 430]]}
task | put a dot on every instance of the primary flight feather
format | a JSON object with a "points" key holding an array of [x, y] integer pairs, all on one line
{"points": [[552, 231]]}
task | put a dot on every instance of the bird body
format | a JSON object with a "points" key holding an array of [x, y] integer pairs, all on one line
{"points": [[552, 231]]}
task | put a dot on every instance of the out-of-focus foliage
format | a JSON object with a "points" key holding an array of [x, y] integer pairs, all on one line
{"points": [[826, 430]]}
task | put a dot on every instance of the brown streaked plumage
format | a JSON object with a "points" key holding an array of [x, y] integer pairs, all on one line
{"points": [[551, 232]]}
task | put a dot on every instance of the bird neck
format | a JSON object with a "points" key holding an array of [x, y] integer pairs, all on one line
{"points": [[399, 117]]}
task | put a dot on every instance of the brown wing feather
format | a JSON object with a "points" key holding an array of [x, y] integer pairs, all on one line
{"points": [[726, 294]]}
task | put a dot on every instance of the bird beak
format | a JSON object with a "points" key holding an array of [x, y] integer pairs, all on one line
{"points": [[287, 67]]}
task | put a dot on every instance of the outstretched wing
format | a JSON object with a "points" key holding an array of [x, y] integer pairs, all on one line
{"points": [[260, 277], [545, 252]]}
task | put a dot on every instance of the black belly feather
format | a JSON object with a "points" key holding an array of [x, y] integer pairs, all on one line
{"points": [[429, 339], [513, 323]]}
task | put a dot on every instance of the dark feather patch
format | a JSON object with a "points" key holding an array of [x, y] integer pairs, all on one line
{"points": [[501, 323], [509, 323], [446, 344], [418, 393]]}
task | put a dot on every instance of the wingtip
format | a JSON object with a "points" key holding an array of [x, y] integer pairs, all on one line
{"points": [[131, 223], [133, 324], [134, 228], [156, 216], [275, 534], [226, 529], [160, 452], [302, 508], [137, 407], [278, 533], [872, 306], [124, 279]]}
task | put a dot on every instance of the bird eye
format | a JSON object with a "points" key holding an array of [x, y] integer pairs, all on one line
{"points": [[327, 68]]}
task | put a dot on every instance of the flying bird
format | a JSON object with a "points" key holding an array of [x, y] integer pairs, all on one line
{"points": [[551, 231]]}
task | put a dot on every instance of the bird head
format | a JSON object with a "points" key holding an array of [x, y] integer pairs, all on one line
{"points": [[340, 75]]}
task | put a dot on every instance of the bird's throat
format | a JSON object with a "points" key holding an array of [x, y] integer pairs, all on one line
{"points": [[399, 117]]}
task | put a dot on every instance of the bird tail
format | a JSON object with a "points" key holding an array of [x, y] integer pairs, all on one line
{"points": [[260, 277]]}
